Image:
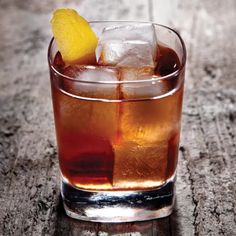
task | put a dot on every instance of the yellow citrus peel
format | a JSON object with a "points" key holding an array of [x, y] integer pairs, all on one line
{"points": [[75, 38]]}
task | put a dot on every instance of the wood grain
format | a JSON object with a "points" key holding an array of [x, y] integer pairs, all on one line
{"points": [[29, 176]]}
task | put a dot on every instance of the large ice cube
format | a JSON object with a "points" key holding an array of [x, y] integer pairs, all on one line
{"points": [[143, 31], [129, 53], [153, 87], [128, 46], [85, 78], [78, 108], [139, 166]]}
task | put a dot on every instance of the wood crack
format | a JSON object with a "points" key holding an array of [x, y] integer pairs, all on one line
{"points": [[191, 180]]}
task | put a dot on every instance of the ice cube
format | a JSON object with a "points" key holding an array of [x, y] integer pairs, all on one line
{"points": [[139, 166], [153, 87], [85, 78], [77, 111], [129, 74], [143, 32], [97, 74], [129, 53], [79, 116], [128, 46]]}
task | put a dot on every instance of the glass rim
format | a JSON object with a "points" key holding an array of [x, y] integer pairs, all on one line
{"points": [[151, 78]]}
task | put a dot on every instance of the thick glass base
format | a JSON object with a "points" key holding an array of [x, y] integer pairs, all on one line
{"points": [[118, 206]]}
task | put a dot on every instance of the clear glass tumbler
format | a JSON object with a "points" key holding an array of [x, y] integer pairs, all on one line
{"points": [[118, 140]]}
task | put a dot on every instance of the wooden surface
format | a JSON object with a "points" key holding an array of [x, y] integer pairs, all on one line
{"points": [[29, 182]]}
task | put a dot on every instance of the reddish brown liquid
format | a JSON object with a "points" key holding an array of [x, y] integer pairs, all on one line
{"points": [[118, 145]]}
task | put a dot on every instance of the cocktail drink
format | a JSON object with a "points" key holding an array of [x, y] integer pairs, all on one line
{"points": [[117, 117]]}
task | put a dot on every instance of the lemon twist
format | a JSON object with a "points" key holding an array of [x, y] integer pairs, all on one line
{"points": [[74, 36]]}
